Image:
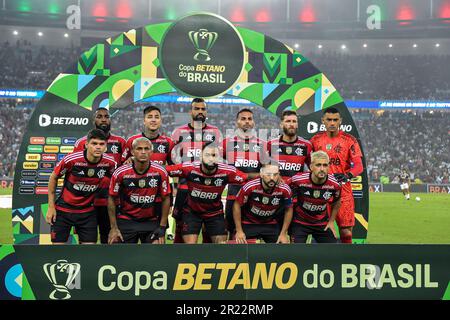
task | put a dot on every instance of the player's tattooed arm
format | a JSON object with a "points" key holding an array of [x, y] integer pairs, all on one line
{"points": [[114, 233], [51, 212], [334, 211], [240, 235], [283, 238]]}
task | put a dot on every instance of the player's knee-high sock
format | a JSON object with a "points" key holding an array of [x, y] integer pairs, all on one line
{"points": [[178, 229], [206, 237], [346, 236]]}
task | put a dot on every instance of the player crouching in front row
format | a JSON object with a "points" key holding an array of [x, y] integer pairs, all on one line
{"points": [[144, 192], [256, 206], [206, 181], [314, 191]]}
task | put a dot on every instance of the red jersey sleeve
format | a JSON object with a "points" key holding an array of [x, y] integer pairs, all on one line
{"points": [[242, 197], [176, 170], [237, 177], [62, 167], [336, 195], [288, 197], [169, 154], [114, 185], [126, 151], [79, 145], [165, 184], [355, 156]]}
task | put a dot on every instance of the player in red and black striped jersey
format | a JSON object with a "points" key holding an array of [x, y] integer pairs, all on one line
{"points": [[257, 204], [84, 172], [314, 191], [246, 152], [345, 163], [206, 181], [115, 145], [189, 140], [143, 190], [162, 145], [291, 151]]}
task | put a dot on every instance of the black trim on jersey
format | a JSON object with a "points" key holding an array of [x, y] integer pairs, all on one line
{"points": [[281, 140], [85, 156], [145, 171], [262, 186], [316, 184], [208, 174]]}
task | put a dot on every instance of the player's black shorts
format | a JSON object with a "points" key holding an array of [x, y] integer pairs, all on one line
{"points": [[85, 224], [300, 232], [268, 232], [192, 224], [132, 231]]}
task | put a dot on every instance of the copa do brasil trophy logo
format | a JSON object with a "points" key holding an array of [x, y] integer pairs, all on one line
{"points": [[202, 55]]}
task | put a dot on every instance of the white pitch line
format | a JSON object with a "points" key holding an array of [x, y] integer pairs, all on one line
{"points": [[6, 202]]}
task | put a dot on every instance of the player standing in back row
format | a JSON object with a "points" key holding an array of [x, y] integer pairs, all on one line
{"points": [[115, 145], [246, 152], [345, 163], [161, 144], [189, 140]]}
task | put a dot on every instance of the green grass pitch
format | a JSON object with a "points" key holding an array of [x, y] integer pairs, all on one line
{"points": [[392, 219]]}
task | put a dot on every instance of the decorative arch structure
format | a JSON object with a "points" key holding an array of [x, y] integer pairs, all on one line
{"points": [[145, 62]]}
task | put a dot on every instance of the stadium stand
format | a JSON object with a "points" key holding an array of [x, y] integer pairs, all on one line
{"points": [[417, 140]]}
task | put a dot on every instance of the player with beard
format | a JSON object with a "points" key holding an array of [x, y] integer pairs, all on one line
{"points": [[115, 145], [189, 140], [345, 163], [162, 145], [315, 190], [139, 187], [257, 203], [291, 151], [206, 180], [246, 152]]}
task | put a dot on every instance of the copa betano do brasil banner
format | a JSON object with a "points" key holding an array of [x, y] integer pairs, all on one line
{"points": [[225, 272], [199, 55]]}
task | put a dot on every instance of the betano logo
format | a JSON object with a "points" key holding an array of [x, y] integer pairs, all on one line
{"points": [[64, 276], [45, 120], [313, 127]]}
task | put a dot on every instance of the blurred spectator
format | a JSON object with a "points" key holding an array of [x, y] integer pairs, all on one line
{"points": [[402, 77]]}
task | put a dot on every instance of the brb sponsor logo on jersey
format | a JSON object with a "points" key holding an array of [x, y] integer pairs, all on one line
{"points": [[45, 120], [204, 195], [137, 199]]}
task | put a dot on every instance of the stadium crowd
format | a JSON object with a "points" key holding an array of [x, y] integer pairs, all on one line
{"points": [[386, 77], [395, 77], [418, 141]]}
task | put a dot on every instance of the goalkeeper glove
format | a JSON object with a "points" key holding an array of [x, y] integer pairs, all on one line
{"points": [[342, 177], [158, 233]]}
